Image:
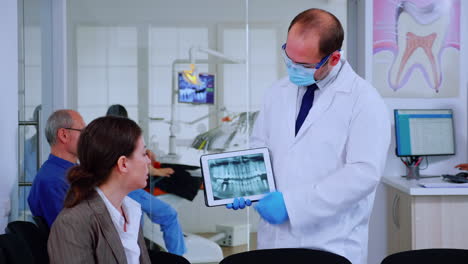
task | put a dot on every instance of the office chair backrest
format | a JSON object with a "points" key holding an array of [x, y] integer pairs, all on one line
{"points": [[165, 257], [35, 239], [2, 257], [429, 256], [13, 250], [42, 225], [285, 255]]}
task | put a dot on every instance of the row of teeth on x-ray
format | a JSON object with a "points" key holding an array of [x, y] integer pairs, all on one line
{"points": [[188, 95], [245, 169], [237, 186], [238, 176]]}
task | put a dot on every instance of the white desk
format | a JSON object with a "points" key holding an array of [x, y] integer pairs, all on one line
{"points": [[412, 187], [425, 217]]}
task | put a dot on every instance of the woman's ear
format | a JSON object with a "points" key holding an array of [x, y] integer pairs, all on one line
{"points": [[122, 165]]}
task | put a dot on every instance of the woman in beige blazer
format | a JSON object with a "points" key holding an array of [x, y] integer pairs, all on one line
{"points": [[99, 223]]}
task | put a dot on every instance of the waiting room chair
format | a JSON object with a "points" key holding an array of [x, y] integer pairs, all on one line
{"points": [[33, 237], [2, 257], [285, 255], [13, 250], [429, 256], [165, 257], [42, 225]]}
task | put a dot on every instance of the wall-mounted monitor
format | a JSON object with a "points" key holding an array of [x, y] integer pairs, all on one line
{"points": [[202, 93], [424, 132]]}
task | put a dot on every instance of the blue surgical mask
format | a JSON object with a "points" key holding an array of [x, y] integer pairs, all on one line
{"points": [[299, 73], [301, 76]]}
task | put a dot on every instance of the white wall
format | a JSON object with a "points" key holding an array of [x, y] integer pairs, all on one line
{"points": [[179, 24], [8, 104]]}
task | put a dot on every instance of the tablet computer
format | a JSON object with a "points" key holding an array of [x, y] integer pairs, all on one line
{"points": [[244, 173]]}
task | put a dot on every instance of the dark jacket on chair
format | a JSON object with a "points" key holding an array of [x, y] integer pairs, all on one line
{"points": [[86, 234]]}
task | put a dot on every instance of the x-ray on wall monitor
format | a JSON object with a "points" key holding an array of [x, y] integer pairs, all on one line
{"points": [[424, 132], [244, 173], [201, 93]]}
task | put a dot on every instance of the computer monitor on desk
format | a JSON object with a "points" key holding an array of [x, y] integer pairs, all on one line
{"points": [[423, 132]]}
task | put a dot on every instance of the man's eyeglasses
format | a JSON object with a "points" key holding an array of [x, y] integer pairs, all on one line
{"points": [[71, 128], [305, 65]]}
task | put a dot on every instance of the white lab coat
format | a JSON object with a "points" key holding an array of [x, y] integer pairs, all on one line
{"points": [[329, 172]]}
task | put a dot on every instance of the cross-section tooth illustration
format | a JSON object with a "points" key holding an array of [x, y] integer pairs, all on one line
{"points": [[419, 50], [416, 48]]}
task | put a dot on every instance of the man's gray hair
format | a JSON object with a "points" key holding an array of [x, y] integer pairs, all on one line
{"points": [[58, 119]]}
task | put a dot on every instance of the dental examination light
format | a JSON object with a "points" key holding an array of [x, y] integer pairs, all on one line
{"points": [[191, 76]]}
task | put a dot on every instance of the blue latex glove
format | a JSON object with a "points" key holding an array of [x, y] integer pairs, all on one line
{"points": [[239, 203], [272, 208], [163, 214]]}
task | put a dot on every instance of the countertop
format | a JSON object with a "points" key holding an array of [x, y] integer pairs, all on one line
{"points": [[413, 187]]}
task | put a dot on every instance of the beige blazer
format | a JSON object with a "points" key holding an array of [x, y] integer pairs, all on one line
{"points": [[86, 234]]}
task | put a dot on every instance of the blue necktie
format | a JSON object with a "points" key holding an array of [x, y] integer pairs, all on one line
{"points": [[306, 104]]}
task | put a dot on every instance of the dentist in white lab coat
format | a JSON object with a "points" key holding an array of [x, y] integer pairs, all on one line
{"points": [[326, 173]]}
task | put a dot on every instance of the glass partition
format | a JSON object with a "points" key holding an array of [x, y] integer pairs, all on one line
{"points": [[29, 95], [135, 54]]}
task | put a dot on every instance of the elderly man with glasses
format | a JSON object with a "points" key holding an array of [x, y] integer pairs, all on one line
{"points": [[50, 185]]}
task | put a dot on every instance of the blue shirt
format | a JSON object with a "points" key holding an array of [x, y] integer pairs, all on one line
{"points": [[49, 189]]}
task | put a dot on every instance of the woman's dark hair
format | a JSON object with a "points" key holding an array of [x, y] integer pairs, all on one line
{"points": [[117, 110], [101, 144]]}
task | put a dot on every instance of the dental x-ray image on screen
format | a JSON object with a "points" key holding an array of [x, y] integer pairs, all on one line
{"points": [[229, 175], [201, 93]]}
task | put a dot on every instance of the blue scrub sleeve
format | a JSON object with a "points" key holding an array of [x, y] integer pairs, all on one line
{"points": [[163, 214], [272, 208]]}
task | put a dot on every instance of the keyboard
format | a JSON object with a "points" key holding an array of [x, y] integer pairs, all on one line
{"points": [[454, 178]]}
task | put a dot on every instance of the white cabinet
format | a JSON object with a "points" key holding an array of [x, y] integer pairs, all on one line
{"points": [[425, 218], [399, 224]]}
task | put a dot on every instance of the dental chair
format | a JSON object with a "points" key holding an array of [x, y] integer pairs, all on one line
{"points": [[199, 249]]}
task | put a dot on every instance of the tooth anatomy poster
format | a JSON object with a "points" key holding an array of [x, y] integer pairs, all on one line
{"points": [[416, 48]]}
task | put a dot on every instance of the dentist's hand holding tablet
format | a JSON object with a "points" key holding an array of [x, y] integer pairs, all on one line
{"points": [[271, 208]]}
